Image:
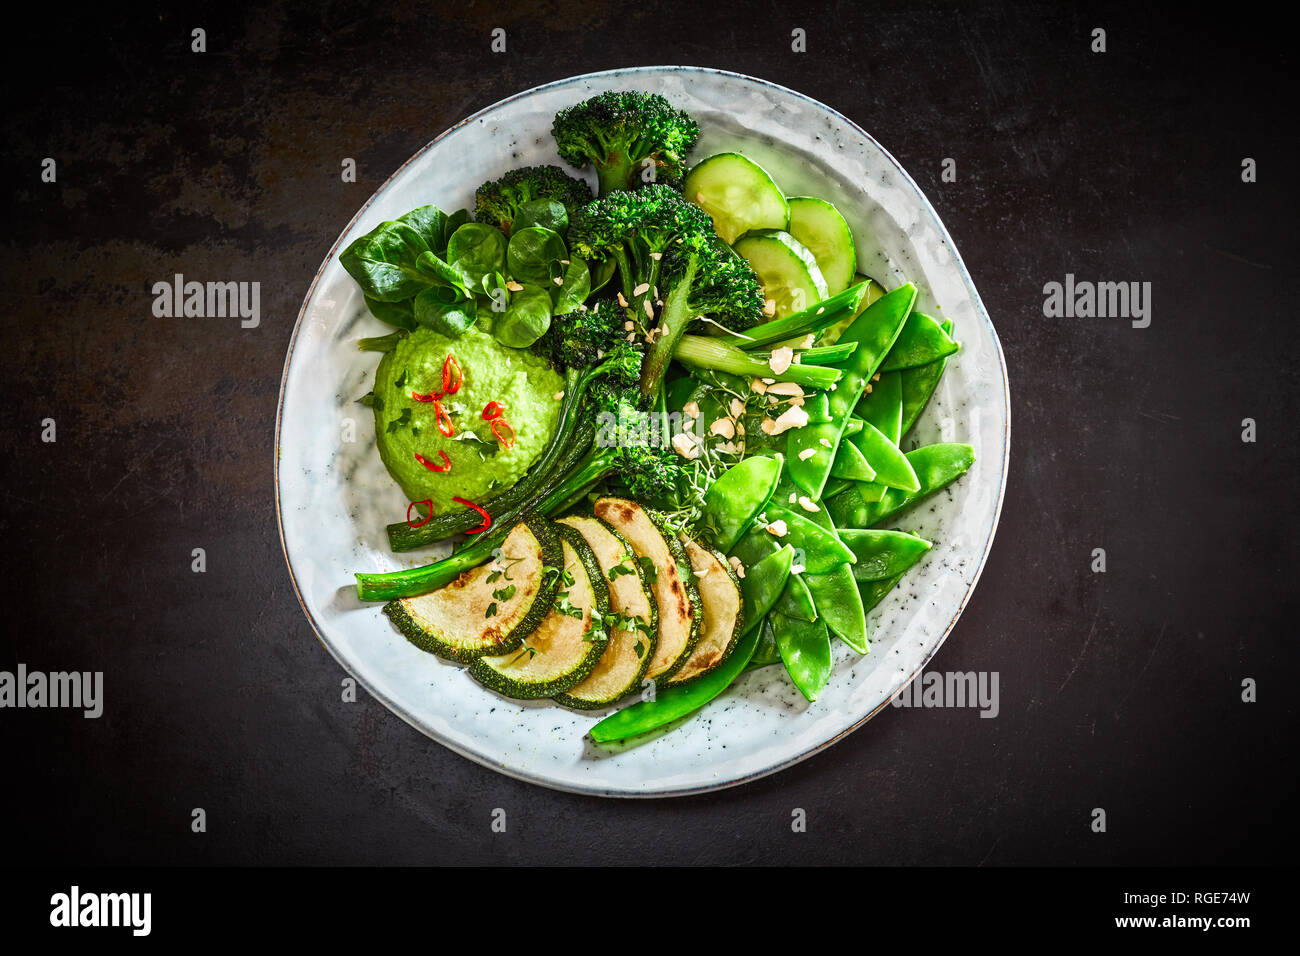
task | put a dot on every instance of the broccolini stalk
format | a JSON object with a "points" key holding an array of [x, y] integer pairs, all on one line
{"points": [[648, 470]]}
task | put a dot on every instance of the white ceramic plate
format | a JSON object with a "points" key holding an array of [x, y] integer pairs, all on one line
{"points": [[334, 497]]}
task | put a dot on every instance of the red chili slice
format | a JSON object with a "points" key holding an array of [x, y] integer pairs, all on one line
{"points": [[487, 519], [444, 420], [452, 376], [428, 503], [445, 466], [430, 397], [493, 410], [508, 442]]}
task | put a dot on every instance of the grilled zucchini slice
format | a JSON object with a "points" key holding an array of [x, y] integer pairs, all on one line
{"points": [[491, 608], [673, 584], [621, 668], [724, 614], [567, 643]]}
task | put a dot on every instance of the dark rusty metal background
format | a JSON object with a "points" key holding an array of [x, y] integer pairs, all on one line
{"points": [[1118, 690]]}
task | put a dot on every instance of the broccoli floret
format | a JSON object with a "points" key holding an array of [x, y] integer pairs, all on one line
{"points": [[668, 254], [498, 202], [618, 131], [581, 338]]}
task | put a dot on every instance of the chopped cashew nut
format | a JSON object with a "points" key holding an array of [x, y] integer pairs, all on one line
{"points": [[724, 427], [781, 359], [769, 307], [757, 386], [736, 566], [793, 496], [558, 396], [514, 286], [792, 417], [736, 408], [777, 528], [642, 289], [804, 456], [797, 569], [768, 426], [807, 504], [685, 445], [786, 388], [692, 409], [825, 441]]}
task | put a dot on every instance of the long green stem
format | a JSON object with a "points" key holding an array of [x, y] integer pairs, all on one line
{"points": [[415, 581], [812, 319], [673, 321], [704, 351], [402, 537]]}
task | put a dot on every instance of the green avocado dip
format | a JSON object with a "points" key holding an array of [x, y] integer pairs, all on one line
{"points": [[523, 385]]}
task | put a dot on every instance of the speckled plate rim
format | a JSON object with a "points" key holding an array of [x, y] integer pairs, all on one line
{"points": [[976, 302]]}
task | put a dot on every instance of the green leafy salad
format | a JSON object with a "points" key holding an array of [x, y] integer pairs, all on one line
{"points": [[663, 424]]}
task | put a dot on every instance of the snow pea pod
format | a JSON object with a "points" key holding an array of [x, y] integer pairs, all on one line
{"points": [[671, 703], [735, 499], [822, 550], [921, 341], [873, 592], [890, 464], [936, 466], [840, 605], [918, 385], [874, 331], [883, 405], [834, 486], [805, 649], [883, 554], [766, 652], [763, 583], [850, 463], [761, 587], [755, 545], [796, 600], [849, 508], [883, 408]]}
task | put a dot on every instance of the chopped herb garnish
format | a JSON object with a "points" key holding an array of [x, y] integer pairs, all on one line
{"points": [[623, 567], [403, 419]]}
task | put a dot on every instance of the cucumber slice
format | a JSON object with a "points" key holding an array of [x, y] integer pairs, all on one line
{"points": [[787, 270], [454, 621], [623, 664], [664, 560], [738, 193], [820, 227], [569, 641], [724, 615]]}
